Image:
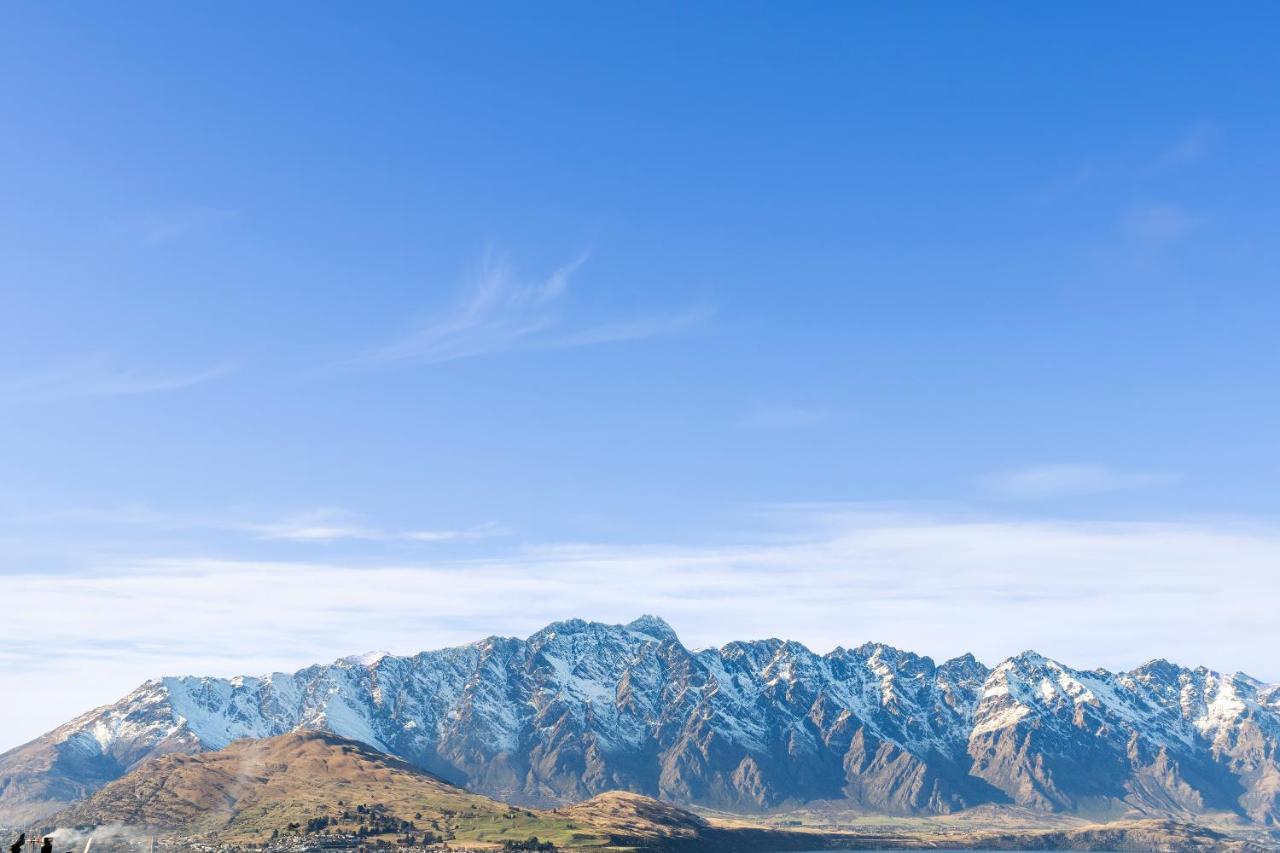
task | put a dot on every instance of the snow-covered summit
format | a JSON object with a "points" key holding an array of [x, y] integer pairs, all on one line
{"points": [[582, 707], [365, 659]]}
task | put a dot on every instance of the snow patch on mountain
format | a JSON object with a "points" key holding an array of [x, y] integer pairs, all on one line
{"points": [[582, 707]]}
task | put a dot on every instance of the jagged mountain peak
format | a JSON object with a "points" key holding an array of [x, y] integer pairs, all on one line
{"points": [[583, 707], [364, 659], [571, 626], [965, 665], [653, 626], [886, 652], [1030, 659], [646, 628], [1159, 670]]}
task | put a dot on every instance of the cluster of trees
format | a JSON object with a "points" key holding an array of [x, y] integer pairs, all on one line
{"points": [[530, 843], [371, 820], [371, 823], [418, 841], [383, 825]]}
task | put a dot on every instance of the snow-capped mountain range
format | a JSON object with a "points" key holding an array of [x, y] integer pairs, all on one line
{"points": [[580, 708]]}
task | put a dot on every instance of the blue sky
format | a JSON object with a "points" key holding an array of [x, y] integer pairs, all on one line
{"points": [[483, 317]]}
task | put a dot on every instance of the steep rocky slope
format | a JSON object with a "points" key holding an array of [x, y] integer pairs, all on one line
{"points": [[311, 781], [582, 708]]}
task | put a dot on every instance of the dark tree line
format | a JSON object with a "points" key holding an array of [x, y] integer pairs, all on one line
{"points": [[531, 843]]}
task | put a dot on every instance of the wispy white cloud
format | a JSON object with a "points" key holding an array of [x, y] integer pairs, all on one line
{"points": [[777, 418], [1042, 482], [489, 530], [330, 525], [1189, 148], [124, 514], [167, 227], [102, 376], [1156, 226], [314, 526], [1144, 256], [629, 330], [1091, 593], [1182, 151], [319, 525], [499, 312]]}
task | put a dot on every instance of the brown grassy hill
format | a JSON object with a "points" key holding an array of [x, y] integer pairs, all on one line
{"points": [[632, 820], [623, 815], [245, 792], [251, 788]]}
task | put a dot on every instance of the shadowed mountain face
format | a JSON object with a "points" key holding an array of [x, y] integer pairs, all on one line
{"points": [[310, 781], [582, 708]]}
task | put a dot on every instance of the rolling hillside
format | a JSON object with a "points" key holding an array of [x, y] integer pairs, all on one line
{"points": [[251, 789]]}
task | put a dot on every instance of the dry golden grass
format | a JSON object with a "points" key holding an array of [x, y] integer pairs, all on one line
{"points": [[251, 788]]}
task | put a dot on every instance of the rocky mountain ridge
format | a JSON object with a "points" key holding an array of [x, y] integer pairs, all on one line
{"points": [[581, 708], [310, 789]]}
